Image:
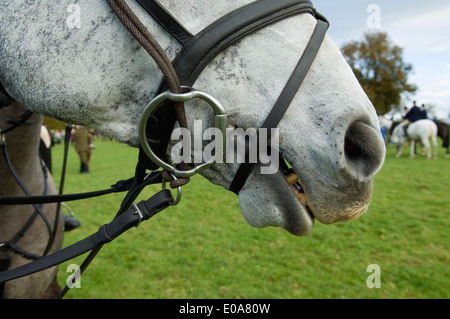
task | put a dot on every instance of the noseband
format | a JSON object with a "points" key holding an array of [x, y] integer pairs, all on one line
{"points": [[199, 50]]}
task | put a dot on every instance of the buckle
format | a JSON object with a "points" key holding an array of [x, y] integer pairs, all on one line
{"points": [[220, 119], [139, 213], [179, 191]]}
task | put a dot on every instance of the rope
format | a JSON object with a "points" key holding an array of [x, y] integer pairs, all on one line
{"points": [[148, 42]]}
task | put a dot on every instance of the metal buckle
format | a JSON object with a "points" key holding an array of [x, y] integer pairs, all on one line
{"points": [[220, 118], [179, 191], [138, 212]]}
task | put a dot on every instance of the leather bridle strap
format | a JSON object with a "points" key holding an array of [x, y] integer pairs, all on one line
{"points": [[166, 20], [286, 97], [214, 39], [200, 50]]}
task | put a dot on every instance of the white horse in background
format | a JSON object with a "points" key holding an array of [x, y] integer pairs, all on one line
{"points": [[422, 131], [385, 125]]}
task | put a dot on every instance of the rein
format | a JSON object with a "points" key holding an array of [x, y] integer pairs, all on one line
{"points": [[167, 108]]}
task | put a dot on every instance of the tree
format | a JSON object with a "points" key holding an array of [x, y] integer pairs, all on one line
{"points": [[378, 64]]}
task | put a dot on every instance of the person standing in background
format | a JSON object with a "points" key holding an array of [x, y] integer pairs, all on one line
{"points": [[82, 141]]}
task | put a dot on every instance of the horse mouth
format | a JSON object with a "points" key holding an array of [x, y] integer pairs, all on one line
{"points": [[299, 191]]}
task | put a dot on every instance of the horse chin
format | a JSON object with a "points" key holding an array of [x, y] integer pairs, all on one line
{"points": [[269, 200]]}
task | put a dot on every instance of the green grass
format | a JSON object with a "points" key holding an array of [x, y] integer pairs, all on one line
{"points": [[203, 248]]}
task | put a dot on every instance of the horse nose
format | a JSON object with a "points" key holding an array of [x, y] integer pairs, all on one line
{"points": [[364, 150]]}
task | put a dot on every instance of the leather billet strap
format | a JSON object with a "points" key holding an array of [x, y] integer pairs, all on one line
{"points": [[202, 48]]}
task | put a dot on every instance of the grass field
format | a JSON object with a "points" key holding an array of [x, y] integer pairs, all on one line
{"points": [[203, 248]]}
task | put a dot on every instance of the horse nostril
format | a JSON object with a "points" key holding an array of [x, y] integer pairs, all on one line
{"points": [[351, 148], [364, 149]]}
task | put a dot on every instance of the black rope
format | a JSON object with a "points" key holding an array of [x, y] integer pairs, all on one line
{"points": [[26, 191], [12, 243], [21, 122], [61, 184]]}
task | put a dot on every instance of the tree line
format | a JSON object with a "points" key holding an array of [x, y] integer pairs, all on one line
{"points": [[380, 69]]}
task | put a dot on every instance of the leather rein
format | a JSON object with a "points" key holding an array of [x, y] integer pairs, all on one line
{"points": [[197, 52]]}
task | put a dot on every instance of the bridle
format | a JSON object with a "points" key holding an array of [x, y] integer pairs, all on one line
{"points": [[160, 116], [199, 50]]}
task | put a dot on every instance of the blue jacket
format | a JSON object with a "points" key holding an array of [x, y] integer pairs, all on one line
{"points": [[414, 114]]}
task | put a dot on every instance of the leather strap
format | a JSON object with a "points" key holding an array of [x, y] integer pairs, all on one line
{"points": [[206, 45], [286, 97], [166, 20], [5, 262], [120, 186], [105, 234]]}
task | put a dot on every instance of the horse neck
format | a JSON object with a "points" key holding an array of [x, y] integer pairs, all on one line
{"points": [[22, 145]]}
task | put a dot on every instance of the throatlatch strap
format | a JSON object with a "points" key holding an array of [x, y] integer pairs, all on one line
{"points": [[286, 97]]}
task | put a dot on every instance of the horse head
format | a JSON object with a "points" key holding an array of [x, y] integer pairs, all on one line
{"points": [[96, 74]]}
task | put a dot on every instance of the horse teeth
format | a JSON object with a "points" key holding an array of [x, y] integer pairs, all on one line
{"points": [[299, 192], [299, 187], [302, 198], [292, 178]]}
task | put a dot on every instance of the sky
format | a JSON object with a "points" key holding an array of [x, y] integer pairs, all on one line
{"points": [[421, 28]]}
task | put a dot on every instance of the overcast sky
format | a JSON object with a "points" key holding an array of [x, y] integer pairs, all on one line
{"points": [[421, 28]]}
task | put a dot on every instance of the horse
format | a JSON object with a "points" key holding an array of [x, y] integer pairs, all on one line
{"points": [[386, 127], [444, 134], [24, 235], [422, 131], [79, 64]]}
